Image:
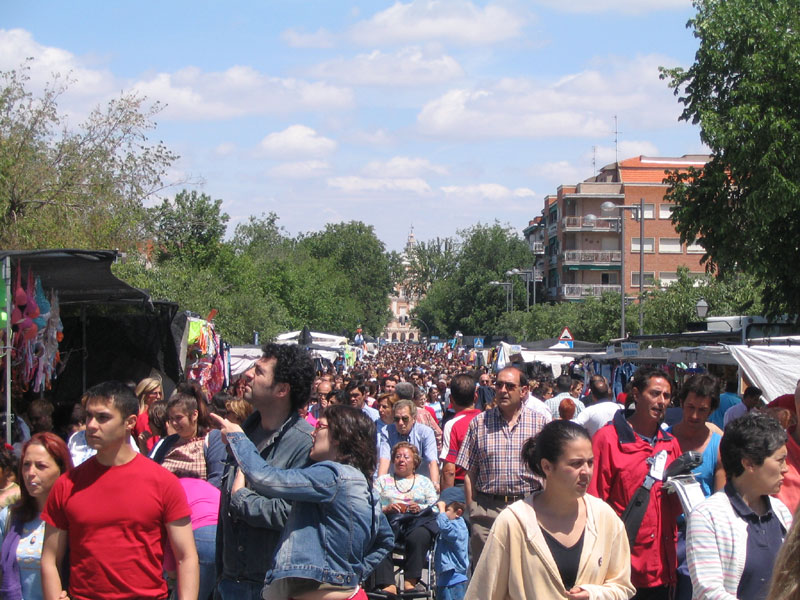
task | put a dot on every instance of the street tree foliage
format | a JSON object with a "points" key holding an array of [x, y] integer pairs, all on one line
{"points": [[743, 91], [190, 227], [459, 296], [83, 186], [427, 262]]}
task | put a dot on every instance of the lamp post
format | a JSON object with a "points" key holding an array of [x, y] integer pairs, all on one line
{"points": [[509, 292], [701, 308], [607, 207], [529, 275]]}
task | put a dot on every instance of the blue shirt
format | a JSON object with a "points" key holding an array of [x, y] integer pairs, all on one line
{"points": [[420, 436], [726, 400], [764, 538]]}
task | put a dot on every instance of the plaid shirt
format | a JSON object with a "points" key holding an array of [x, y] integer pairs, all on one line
{"points": [[493, 449]]}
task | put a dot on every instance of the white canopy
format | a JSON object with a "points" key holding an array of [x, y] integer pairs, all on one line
{"points": [[773, 369], [320, 339]]}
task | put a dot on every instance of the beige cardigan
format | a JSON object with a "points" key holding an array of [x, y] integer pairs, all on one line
{"points": [[516, 563]]}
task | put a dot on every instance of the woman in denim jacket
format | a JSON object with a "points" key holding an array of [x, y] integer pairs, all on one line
{"points": [[336, 533]]}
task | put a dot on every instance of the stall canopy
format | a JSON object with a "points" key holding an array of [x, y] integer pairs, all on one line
{"points": [[773, 369], [111, 329]]}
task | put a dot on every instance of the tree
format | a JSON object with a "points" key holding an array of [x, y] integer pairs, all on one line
{"points": [[190, 227], [430, 261], [462, 299], [85, 187], [356, 253], [743, 90]]}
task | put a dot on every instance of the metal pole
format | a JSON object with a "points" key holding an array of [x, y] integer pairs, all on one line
{"points": [[527, 293], [7, 349], [534, 285], [622, 271], [641, 265], [511, 289]]}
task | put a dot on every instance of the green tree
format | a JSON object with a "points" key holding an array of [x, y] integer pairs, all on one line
{"points": [[82, 187], [190, 227], [356, 253], [462, 298], [743, 90]]}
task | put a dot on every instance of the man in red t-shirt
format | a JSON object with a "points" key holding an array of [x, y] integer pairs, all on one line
{"points": [[112, 513], [462, 396]]}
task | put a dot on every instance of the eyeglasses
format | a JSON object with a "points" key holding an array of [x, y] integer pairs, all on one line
{"points": [[506, 384], [403, 419], [320, 426]]}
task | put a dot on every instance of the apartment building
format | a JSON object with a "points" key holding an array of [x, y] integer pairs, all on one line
{"points": [[578, 246]]}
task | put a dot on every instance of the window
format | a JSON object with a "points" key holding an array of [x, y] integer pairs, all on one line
{"points": [[695, 248], [667, 278], [665, 211], [609, 278], [649, 244], [649, 211], [669, 245], [649, 279]]}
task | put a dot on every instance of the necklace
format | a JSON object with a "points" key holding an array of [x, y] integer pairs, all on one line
{"points": [[402, 491]]}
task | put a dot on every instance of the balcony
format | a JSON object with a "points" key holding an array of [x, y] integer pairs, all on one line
{"points": [[582, 224], [593, 257], [537, 247], [579, 290], [552, 229]]}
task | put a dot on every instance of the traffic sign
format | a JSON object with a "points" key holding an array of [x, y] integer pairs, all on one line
{"points": [[478, 343], [566, 337]]}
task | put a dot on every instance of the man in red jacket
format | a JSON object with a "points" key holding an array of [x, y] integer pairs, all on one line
{"points": [[624, 452]]}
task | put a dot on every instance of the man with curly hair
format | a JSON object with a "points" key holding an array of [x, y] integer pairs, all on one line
{"points": [[250, 525]]}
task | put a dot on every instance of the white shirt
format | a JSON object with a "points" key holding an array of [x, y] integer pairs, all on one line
{"points": [[533, 403], [597, 415]]}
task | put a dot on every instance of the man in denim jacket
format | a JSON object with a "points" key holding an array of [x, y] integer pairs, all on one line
{"points": [[250, 524]]}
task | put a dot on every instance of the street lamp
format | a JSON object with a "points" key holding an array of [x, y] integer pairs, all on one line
{"points": [[509, 291], [607, 207], [701, 308], [529, 275]]}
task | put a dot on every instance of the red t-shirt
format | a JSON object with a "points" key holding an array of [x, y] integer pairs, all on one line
{"points": [[458, 431], [115, 518], [142, 425]]}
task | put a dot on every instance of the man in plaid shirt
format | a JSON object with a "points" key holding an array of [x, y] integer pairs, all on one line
{"points": [[496, 476]]}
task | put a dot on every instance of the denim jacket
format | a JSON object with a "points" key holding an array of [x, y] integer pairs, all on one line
{"points": [[336, 532], [250, 524]]}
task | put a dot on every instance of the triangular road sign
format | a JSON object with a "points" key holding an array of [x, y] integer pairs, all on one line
{"points": [[566, 335]]}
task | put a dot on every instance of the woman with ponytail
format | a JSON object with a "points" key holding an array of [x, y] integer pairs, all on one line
{"points": [[558, 542]]}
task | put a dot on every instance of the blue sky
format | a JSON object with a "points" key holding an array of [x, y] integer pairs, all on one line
{"points": [[435, 114]]}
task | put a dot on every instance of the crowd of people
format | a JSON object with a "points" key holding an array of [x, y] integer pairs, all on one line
{"points": [[309, 485]]}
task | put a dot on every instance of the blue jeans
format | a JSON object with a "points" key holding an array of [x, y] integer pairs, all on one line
{"points": [[452, 592], [242, 590], [205, 538]]}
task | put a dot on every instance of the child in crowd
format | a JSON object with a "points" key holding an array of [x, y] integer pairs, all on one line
{"points": [[452, 560]]}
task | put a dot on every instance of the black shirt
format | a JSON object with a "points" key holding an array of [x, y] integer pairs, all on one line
{"points": [[567, 559]]}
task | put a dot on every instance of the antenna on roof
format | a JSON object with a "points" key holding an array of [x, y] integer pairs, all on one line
{"points": [[616, 142], [594, 159]]}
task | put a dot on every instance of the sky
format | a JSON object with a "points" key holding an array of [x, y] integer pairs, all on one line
{"points": [[431, 114]]}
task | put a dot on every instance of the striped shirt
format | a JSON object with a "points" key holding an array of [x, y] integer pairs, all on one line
{"points": [[492, 448]]}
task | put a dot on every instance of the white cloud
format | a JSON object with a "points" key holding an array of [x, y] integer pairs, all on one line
{"points": [[403, 166], [296, 141], [458, 21], [225, 149], [627, 148], [301, 170], [378, 137], [487, 191], [406, 67], [620, 6], [191, 93], [322, 38], [577, 105], [16, 45], [354, 184]]}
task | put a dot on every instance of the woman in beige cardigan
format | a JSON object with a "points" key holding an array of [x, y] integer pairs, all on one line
{"points": [[560, 542]]}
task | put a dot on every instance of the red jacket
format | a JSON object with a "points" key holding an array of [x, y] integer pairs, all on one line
{"points": [[619, 470]]}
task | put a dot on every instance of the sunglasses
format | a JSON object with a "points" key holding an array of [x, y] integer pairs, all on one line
{"points": [[320, 426], [505, 384], [402, 419]]}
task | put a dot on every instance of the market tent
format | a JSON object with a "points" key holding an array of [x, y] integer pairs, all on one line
{"points": [[773, 369], [111, 329], [320, 339]]}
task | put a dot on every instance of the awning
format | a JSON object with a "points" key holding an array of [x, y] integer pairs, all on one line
{"points": [[77, 275]]}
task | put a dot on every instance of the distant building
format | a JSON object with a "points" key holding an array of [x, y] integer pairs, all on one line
{"points": [[579, 256], [401, 303]]}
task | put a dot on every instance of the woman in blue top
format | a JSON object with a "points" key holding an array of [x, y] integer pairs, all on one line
{"points": [[699, 397], [44, 458], [336, 532]]}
